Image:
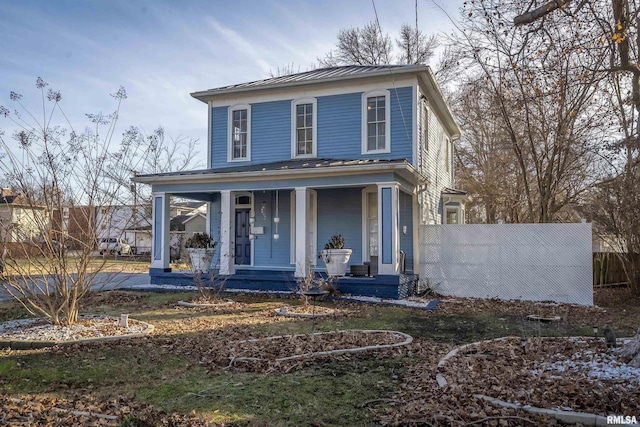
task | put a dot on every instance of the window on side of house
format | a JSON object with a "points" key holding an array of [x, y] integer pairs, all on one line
{"points": [[375, 122], [239, 133], [452, 216], [303, 128]]}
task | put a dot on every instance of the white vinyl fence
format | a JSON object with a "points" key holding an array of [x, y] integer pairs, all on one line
{"points": [[509, 261]]}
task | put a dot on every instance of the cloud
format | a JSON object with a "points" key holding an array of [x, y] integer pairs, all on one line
{"points": [[242, 46]]}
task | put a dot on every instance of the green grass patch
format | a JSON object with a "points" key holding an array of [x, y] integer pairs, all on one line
{"points": [[332, 394]]}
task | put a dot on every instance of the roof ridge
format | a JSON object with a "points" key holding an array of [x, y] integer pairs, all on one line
{"points": [[316, 74]]}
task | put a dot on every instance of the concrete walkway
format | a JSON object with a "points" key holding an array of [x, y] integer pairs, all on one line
{"points": [[105, 281]]}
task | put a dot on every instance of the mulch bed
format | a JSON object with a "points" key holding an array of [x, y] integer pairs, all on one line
{"points": [[27, 410], [504, 371]]}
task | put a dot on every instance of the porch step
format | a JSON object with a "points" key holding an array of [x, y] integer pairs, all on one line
{"points": [[382, 286]]}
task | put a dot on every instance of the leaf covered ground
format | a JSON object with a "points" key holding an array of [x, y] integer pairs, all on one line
{"points": [[180, 375]]}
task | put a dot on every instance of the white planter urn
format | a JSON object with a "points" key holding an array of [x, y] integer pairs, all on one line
{"points": [[336, 261], [200, 259]]}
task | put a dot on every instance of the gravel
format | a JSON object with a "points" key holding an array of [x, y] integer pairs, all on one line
{"points": [[87, 327]]}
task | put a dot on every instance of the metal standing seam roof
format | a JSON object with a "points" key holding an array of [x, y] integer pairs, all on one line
{"points": [[299, 164], [319, 74]]}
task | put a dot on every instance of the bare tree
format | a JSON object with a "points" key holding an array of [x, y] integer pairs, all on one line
{"points": [[57, 169], [547, 103], [369, 46], [618, 31], [415, 46], [360, 46]]}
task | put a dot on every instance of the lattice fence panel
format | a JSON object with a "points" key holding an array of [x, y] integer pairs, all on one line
{"points": [[537, 262]]}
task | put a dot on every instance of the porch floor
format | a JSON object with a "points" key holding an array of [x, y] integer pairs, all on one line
{"points": [[381, 286]]}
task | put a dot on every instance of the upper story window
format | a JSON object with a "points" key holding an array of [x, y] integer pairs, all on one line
{"points": [[376, 135], [239, 133], [304, 128]]}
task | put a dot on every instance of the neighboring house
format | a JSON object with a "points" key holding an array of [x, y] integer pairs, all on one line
{"points": [[362, 151], [76, 224], [20, 219], [133, 222], [181, 228], [608, 243], [114, 220]]}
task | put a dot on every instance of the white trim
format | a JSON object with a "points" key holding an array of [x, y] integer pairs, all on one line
{"points": [[302, 247], [448, 156], [230, 111], [294, 142], [164, 232], [227, 227], [416, 233], [387, 121], [251, 207], [365, 222], [310, 228], [292, 225], [446, 207], [393, 267], [415, 99], [311, 89], [209, 135]]}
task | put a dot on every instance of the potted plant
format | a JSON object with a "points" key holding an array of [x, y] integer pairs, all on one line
{"points": [[201, 248], [335, 256]]}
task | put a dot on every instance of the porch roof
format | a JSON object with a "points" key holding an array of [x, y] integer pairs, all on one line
{"points": [[287, 170]]}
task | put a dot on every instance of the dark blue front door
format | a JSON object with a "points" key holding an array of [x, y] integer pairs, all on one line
{"points": [[243, 243]]}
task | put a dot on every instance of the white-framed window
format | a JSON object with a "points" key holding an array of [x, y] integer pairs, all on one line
{"points": [[239, 148], [453, 213], [452, 216], [304, 128], [376, 120]]}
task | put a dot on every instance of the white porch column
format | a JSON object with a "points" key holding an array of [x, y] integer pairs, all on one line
{"points": [[303, 257], [388, 214], [160, 231], [227, 233]]}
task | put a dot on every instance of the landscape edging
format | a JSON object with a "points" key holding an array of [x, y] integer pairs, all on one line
{"points": [[566, 416]]}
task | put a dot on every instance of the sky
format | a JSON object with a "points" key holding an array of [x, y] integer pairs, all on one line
{"points": [[160, 51]]}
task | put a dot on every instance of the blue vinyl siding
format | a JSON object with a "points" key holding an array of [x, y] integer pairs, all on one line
{"points": [[340, 212], [267, 251], [339, 128], [270, 132], [219, 124], [401, 124], [406, 220]]}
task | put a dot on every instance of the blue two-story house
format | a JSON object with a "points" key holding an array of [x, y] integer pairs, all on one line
{"points": [[362, 151]]}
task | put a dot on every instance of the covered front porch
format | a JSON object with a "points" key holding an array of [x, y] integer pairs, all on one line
{"points": [[272, 221]]}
